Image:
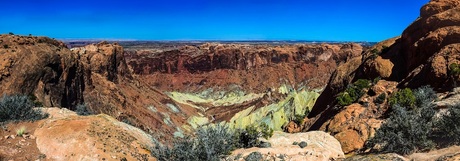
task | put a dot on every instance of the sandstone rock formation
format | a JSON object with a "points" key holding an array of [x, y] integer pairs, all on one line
{"points": [[64, 135], [320, 146], [446, 154], [96, 75], [254, 67], [67, 136], [43, 67], [356, 123], [421, 56]]}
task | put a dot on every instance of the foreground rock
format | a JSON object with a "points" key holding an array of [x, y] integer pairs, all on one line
{"points": [[67, 136], [446, 154], [320, 146], [64, 135]]}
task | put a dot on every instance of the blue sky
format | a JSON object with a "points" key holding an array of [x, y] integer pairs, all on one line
{"points": [[329, 20]]}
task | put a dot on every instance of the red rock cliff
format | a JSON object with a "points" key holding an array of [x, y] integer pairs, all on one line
{"points": [[254, 67]]}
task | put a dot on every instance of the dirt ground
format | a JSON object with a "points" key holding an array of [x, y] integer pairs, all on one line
{"points": [[14, 147]]}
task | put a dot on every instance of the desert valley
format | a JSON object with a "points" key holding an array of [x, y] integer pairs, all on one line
{"points": [[397, 99]]}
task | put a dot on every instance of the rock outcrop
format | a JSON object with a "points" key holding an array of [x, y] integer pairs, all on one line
{"points": [[42, 67], [421, 56], [64, 135], [319, 146], [96, 75], [67, 136], [446, 154], [254, 67]]}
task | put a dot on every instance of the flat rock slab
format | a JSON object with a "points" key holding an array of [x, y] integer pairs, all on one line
{"points": [[320, 146], [94, 137]]}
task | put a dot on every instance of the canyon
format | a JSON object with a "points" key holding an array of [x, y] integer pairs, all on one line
{"points": [[143, 93]]}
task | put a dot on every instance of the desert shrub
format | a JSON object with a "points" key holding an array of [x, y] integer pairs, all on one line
{"points": [[405, 132], [376, 80], [424, 96], [248, 137], [37, 103], [5, 46], [380, 99], [448, 126], [385, 49], [18, 108], [214, 141], [21, 131], [375, 51], [254, 156], [403, 98], [454, 69], [362, 83], [344, 99], [298, 119], [353, 92], [211, 142], [82, 110], [265, 131]]}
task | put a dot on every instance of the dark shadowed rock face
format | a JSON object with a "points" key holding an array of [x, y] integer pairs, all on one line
{"points": [[421, 56], [43, 67]]}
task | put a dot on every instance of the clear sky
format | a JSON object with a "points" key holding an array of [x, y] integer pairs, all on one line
{"points": [[328, 20]]}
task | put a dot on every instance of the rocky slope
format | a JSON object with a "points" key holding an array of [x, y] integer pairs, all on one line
{"points": [[256, 68], [421, 56], [96, 75], [243, 84], [67, 136]]}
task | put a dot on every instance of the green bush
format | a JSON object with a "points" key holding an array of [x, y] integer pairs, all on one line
{"points": [[403, 98], [454, 69], [380, 99], [298, 119], [248, 137], [376, 80], [362, 83], [353, 92], [18, 108], [344, 99], [266, 131], [37, 103]]}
